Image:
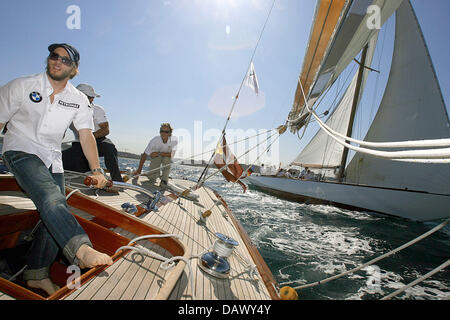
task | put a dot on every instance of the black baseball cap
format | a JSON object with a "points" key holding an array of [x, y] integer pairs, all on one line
{"points": [[73, 53]]}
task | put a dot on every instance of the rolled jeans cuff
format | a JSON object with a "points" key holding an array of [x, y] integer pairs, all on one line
{"points": [[37, 274], [73, 245], [69, 252]]}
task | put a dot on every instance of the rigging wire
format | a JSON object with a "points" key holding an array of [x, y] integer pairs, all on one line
{"points": [[239, 91], [201, 154], [423, 156], [406, 245], [429, 274], [248, 151]]}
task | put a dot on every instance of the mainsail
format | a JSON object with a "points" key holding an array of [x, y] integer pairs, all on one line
{"points": [[325, 23], [412, 108], [322, 151], [351, 34]]}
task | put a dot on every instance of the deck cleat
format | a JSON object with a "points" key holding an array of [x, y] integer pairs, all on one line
{"points": [[151, 205], [204, 215], [215, 262], [129, 208]]}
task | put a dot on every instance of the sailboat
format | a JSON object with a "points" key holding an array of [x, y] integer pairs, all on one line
{"points": [[412, 109]]}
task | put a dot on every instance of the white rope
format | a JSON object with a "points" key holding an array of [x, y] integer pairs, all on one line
{"points": [[397, 144], [71, 193], [222, 250], [409, 155], [250, 268], [429, 274], [443, 224], [168, 263], [421, 156], [429, 156]]}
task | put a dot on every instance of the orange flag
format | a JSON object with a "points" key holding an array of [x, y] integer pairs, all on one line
{"points": [[224, 157]]}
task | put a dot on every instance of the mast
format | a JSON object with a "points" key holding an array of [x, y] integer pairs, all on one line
{"points": [[353, 112]]}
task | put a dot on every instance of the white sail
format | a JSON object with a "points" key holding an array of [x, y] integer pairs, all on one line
{"points": [[365, 31], [412, 108], [322, 151], [327, 19], [354, 32]]}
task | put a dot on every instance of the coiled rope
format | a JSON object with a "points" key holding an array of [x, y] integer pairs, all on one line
{"points": [[168, 263]]}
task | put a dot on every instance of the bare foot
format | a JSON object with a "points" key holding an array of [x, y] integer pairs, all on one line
{"points": [[89, 257], [45, 284]]}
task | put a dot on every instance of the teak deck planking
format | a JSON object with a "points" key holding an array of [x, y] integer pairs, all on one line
{"points": [[140, 277]]}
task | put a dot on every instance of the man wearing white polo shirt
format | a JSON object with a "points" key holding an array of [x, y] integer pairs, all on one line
{"points": [[38, 110], [73, 158], [161, 150]]}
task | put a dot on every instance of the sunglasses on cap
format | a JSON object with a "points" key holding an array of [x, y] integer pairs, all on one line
{"points": [[65, 60]]}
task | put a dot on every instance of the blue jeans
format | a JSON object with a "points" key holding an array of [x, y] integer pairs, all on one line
{"points": [[58, 228]]}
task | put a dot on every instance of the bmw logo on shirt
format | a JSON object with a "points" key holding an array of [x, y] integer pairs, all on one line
{"points": [[35, 97]]}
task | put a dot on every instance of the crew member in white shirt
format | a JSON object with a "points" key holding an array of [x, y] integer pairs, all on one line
{"points": [[303, 173], [74, 159], [38, 110], [310, 175], [161, 150]]}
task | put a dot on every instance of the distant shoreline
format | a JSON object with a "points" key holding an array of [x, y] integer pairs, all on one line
{"points": [[186, 162], [129, 155]]}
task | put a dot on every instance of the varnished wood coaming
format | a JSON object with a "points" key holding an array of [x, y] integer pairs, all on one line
{"points": [[112, 217], [9, 183], [264, 271], [126, 279], [103, 239]]}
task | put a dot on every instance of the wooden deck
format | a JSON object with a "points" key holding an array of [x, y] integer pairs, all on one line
{"points": [[138, 277]]}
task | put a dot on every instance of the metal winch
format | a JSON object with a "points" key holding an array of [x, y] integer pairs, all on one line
{"points": [[215, 262]]}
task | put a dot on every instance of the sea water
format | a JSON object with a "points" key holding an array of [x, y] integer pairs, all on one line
{"points": [[307, 243]]}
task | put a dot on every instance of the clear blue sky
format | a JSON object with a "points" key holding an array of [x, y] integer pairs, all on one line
{"points": [[179, 61]]}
